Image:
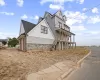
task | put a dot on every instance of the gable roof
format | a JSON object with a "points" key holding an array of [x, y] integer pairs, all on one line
{"points": [[46, 13], [40, 19], [27, 26]]}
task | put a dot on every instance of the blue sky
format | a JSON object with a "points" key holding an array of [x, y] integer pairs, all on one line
{"points": [[84, 25]]}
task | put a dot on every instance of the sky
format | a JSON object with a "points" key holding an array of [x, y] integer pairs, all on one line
{"points": [[83, 17]]}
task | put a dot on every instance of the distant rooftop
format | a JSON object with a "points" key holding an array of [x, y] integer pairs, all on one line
{"points": [[3, 40]]}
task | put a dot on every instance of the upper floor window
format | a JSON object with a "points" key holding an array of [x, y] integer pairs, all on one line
{"points": [[60, 24], [44, 29]]}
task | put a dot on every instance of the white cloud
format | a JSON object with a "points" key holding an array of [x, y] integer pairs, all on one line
{"points": [[94, 19], [24, 16], [78, 28], [35, 17], [55, 1], [80, 1], [30, 17], [45, 1], [7, 13], [56, 7], [95, 10], [2, 3], [94, 32], [20, 3], [74, 17], [84, 9], [4, 35], [59, 4]]}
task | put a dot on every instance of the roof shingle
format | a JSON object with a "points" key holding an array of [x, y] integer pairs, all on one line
{"points": [[27, 26]]}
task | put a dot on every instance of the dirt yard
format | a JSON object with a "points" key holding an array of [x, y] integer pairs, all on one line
{"points": [[15, 64]]}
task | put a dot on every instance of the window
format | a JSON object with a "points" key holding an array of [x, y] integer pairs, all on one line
{"points": [[44, 29], [60, 24]]}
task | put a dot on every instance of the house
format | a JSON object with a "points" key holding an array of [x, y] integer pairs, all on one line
{"points": [[51, 32], [3, 40]]}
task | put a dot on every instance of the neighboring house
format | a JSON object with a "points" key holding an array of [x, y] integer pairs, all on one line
{"points": [[1, 40], [51, 32]]}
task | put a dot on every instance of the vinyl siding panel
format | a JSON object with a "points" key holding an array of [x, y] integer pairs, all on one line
{"points": [[35, 35], [36, 32]]}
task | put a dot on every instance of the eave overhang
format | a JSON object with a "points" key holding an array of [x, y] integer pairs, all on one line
{"points": [[21, 36], [61, 30]]}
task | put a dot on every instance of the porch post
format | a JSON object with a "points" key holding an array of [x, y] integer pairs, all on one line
{"points": [[59, 45], [70, 41], [62, 45], [66, 45], [75, 44]]}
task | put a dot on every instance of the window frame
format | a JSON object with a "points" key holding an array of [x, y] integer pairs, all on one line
{"points": [[44, 29]]}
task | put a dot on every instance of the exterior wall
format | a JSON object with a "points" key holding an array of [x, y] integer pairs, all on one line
{"points": [[57, 20], [53, 22], [59, 37], [21, 29], [36, 32], [38, 40], [39, 43]]}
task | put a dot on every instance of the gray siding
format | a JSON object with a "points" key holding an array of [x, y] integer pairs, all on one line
{"points": [[51, 23]]}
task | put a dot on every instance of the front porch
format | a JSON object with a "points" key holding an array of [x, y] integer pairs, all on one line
{"points": [[65, 40], [61, 45]]}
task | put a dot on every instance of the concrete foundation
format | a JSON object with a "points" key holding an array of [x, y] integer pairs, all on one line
{"points": [[31, 46]]}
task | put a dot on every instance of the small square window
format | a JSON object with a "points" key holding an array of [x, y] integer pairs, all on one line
{"points": [[44, 29]]}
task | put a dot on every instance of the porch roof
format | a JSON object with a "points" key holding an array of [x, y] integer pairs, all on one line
{"points": [[64, 31], [21, 36]]}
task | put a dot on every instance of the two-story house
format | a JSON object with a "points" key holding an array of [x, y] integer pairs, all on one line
{"points": [[51, 32]]}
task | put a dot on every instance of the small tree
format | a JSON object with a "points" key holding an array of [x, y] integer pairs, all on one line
{"points": [[12, 42]]}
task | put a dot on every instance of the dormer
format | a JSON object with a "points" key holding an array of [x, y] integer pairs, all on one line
{"points": [[59, 14]]}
